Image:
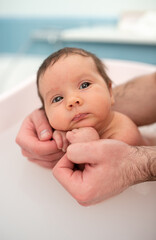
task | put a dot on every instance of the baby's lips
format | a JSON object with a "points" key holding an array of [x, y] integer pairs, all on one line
{"points": [[79, 116]]}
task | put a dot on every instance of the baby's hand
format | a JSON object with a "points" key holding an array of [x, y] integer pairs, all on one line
{"points": [[61, 140], [85, 134]]}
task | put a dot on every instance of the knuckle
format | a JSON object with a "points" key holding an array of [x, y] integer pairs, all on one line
{"points": [[24, 153], [47, 164], [84, 204], [17, 140], [84, 198], [35, 149]]}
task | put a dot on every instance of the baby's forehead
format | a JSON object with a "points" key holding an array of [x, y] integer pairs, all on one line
{"points": [[71, 64], [72, 60]]}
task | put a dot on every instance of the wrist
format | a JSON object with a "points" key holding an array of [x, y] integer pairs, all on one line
{"points": [[150, 153], [143, 165]]}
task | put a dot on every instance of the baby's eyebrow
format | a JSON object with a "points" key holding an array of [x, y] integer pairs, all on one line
{"points": [[51, 91]]}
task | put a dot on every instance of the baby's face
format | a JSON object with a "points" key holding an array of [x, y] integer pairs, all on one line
{"points": [[75, 95]]}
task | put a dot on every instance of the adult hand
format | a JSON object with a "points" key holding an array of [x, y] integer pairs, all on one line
{"points": [[110, 167], [34, 138]]}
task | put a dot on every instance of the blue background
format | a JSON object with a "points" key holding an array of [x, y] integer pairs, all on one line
{"points": [[16, 37]]}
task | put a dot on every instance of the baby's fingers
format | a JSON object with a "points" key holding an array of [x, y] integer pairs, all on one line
{"points": [[65, 143], [57, 136]]}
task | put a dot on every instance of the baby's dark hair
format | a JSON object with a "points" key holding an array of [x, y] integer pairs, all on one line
{"points": [[54, 57]]}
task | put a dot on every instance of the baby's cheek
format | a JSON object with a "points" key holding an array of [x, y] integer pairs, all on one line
{"points": [[57, 122]]}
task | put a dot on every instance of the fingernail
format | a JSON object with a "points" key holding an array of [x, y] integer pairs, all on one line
{"points": [[44, 134]]}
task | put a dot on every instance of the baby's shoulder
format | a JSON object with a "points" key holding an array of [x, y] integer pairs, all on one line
{"points": [[122, 120], [124, 129]]}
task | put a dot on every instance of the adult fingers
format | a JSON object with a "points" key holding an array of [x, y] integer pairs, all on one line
{"points": [[83, 152], [80, 184], [45, 164], [65, 174], [41, 124], [28, 140], [49, 158], [37, 147]]}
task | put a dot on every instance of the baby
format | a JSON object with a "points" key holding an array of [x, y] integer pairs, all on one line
{"points": [[76, 94]]}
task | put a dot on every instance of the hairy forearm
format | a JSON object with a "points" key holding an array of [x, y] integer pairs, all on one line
{"points": [[143, 167], [150, 163], [136, 99]]}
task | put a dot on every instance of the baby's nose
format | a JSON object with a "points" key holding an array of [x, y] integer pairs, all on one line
{"points": [[73, 102]]}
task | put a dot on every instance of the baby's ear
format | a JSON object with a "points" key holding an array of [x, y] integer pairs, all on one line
{"points": [[111, 93]]}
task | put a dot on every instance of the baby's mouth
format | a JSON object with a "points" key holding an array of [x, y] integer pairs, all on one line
{"points": [[79, 117]]}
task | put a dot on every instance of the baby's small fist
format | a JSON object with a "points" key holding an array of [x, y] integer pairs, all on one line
{"points": [[85, 134]]}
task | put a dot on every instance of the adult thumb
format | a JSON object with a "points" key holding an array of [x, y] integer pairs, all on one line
{"points": [[83, 152], [41, 125]]}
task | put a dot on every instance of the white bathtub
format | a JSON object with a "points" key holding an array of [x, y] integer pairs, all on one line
{"points": [[16, 68], [33, 205]]}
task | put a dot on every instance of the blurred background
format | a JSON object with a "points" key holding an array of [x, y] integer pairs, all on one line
{"points": [[31, 30]]}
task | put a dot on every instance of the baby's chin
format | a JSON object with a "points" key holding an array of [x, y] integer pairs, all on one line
{"points": [[81, 124], [76, 125]]}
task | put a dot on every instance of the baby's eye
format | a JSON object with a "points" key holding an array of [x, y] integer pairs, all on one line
{"points": [[57, 99], [84, 85]]}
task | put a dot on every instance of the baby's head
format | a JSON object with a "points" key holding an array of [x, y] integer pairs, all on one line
{"points": [[75, 89], [65, 52]]}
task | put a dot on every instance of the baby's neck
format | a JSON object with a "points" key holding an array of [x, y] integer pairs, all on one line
{"points": [[106, 127]]}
